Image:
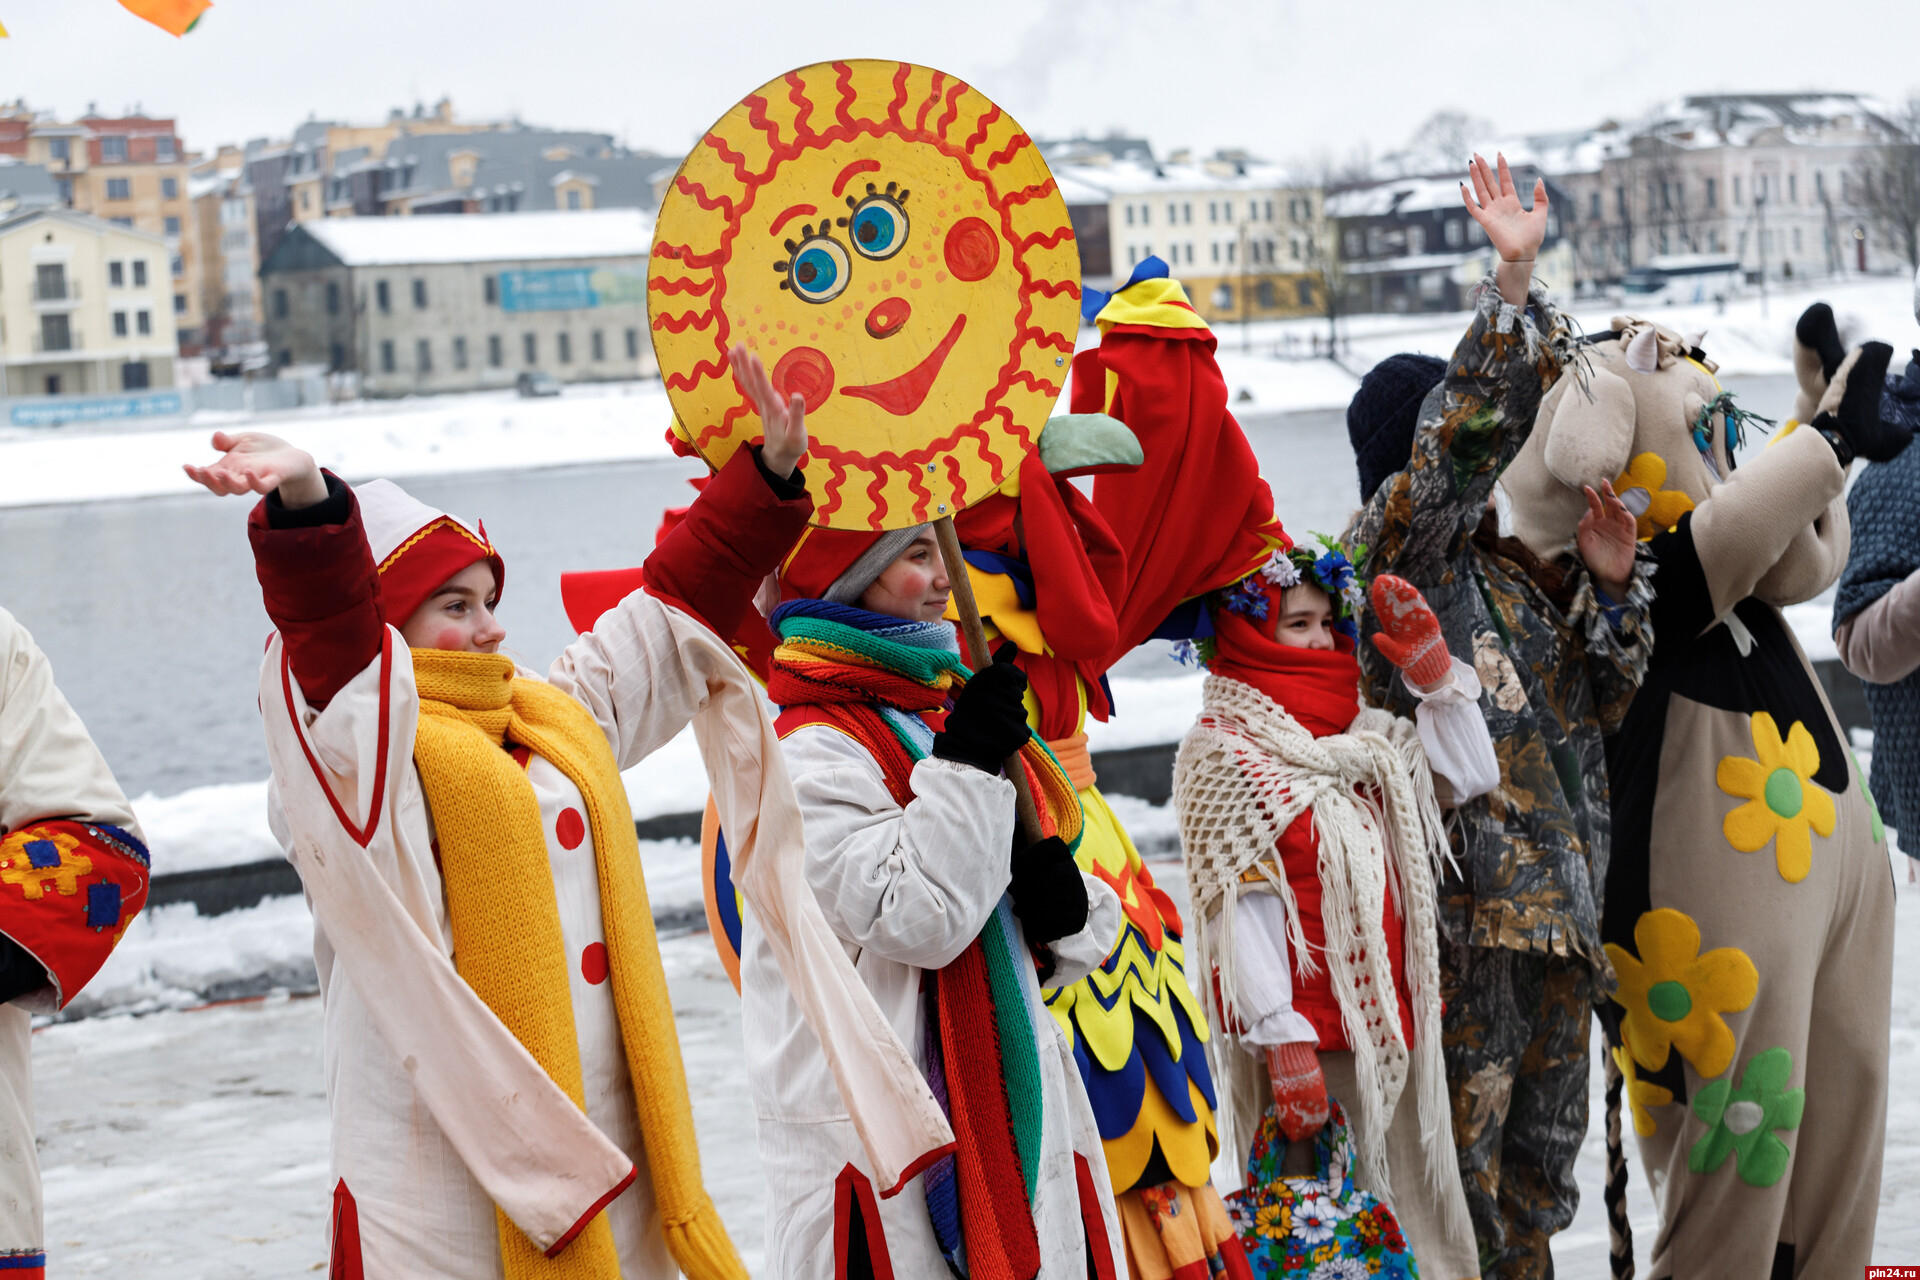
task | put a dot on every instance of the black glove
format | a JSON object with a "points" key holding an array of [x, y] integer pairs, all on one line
{"points": [[988, 722], [1048, 894], [1856, 429], [1818, 333]]}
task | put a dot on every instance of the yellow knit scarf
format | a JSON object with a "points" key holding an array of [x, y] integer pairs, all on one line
{"points": [[507, 942]]}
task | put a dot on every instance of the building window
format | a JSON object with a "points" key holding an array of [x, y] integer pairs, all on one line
{"points": [[139, 273], [565, 345], [113, 147], [419, 295], [119, 189], [333, 297], [179, 304], [50, 282], [133, 376], [1216, 252], [530, 348], [172, 225], [178, 266], [1129, 215], [286, 356], [633, 344], [1354, 243], [1793, 188], [1713, 193], [599, 345], [423, 355], [1593, 207], [495, 357], [119, 324], [1303, 291], [1264, 293], [1456, 230], [573, 199], [492, 286], [55, 333], [1796, 232], [143, 323], [1231, 248], [1736, 188], [163, 150], [1187, 212], [1173, 212], [460, 352], [382, 297], [59, 149], [63, 188], [279, 304], [1416, 239], [336, 357], [386, 355], [1213, 211], [1269, 217], [169, 188]]}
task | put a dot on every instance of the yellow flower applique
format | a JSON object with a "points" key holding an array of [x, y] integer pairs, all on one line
{"points": [[1782, 800], [1674, 996], [1641, 1094], [1655, 510]]}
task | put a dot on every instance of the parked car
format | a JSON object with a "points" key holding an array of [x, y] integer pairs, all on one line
{"points": [[534, 382], [1683, 278]]}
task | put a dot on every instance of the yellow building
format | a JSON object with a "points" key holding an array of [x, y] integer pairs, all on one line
{"points": [[133, 172], [85, 306]]}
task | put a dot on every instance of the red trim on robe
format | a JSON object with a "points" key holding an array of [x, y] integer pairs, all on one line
{"points": [[361, 835], [918, 1167], [1093, 1223], [605, 1200], [346, 1263], [850, 1186]]}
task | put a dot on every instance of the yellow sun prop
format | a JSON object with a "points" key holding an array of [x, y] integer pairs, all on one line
{"points": [[893, 247]]}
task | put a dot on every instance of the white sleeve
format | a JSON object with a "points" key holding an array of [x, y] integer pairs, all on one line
{"points": [[1079, 954], [913, 885], [1454, 733], [49, 765], [1263, 974], [628, 672]]}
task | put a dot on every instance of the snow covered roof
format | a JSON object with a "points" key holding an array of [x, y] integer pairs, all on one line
{"points": [[485, 237], [1136, 177], [1744, 119]]}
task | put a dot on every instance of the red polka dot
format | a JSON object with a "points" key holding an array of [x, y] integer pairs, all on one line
{"points": [[972, 250], [571, 828], [807, 373], [593, 961]]}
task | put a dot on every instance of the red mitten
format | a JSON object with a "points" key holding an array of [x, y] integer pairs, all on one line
{"points": [[1412, 639], [1299, 1090]]}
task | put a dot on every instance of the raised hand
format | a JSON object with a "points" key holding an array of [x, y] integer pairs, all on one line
{"points": [[255, 462], [1412, 639], [1516, 232], [784, 420], [1607, 539]]}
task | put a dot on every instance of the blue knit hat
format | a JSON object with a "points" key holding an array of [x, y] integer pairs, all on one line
{"points": [[1384, 412]]}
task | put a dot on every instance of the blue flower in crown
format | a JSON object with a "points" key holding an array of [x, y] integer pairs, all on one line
{"points": [[1246, 598]]}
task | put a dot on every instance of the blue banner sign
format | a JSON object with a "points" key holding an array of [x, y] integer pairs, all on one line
{"points": [[53, 413], [571, 289]]}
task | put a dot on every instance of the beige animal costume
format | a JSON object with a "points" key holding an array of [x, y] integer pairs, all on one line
{"points": [[1749, 910]]}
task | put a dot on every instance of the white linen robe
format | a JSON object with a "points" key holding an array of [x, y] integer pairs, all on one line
{"points": [[423, 1214], [905, 890]]}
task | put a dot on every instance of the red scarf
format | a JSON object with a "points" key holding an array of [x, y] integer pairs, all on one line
{"points": [[1318, 687]]}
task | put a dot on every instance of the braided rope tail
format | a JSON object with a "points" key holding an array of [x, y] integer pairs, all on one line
{"points": [[1619, 1230]]}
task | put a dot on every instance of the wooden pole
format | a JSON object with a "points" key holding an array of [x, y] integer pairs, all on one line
{"points": [[1027, 813]]}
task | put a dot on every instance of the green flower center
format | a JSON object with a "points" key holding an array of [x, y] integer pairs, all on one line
{"points": [[1669, 1001], [1784, 793]]}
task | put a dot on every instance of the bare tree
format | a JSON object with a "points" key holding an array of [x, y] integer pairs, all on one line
{"points": [[1889, 183], [1448, 137]]}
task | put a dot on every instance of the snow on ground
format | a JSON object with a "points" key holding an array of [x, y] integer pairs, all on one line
{"points": [[440, 435], [493, 431], [206, 1129]]}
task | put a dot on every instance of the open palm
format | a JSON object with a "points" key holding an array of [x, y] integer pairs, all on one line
{"points": [[1607, 537], [1516, 232], [782, 418]]}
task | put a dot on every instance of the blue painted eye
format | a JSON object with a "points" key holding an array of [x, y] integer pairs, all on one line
{"points": [[818, 268], [877, 227]]}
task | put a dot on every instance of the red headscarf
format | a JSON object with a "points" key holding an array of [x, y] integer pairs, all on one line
{"points": [[1319, 687]]}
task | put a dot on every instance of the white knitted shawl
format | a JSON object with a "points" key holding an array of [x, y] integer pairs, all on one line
{"points": [[1244, 773]]}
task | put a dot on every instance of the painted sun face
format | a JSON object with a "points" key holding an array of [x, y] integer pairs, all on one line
{"points": [[893, 247]]}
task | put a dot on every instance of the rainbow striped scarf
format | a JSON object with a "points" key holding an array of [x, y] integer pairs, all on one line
{"points": [[878, 679]]}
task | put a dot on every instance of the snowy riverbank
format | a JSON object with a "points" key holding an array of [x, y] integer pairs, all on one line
{"points": [[620, 422]]}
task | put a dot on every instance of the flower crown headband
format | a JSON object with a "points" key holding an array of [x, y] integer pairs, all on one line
{"points": [[1327, 567]]}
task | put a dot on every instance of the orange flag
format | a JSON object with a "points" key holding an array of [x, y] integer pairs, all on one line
{"points": [[175, 17]]}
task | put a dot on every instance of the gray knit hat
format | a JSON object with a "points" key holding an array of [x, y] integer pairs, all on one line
{"points": [[852, 584]]}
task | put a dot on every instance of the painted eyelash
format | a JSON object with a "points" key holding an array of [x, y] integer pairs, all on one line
{"points": [[898, 196]]}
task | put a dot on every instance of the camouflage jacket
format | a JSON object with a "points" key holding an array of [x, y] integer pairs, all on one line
{"points": [[1532, 854]]}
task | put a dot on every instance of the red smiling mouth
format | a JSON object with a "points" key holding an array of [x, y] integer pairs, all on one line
{"points": [[905, 394]]}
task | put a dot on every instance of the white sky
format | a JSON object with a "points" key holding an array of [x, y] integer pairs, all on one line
{"points": [[1283, 78]]}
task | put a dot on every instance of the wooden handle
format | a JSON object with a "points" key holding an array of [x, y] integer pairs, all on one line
{"points": [[1027, 813]]}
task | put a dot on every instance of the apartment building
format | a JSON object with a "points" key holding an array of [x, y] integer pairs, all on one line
{"points": [[223, 220], [1239, 233], [85, 305], [417, 305], [131, 170]]}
